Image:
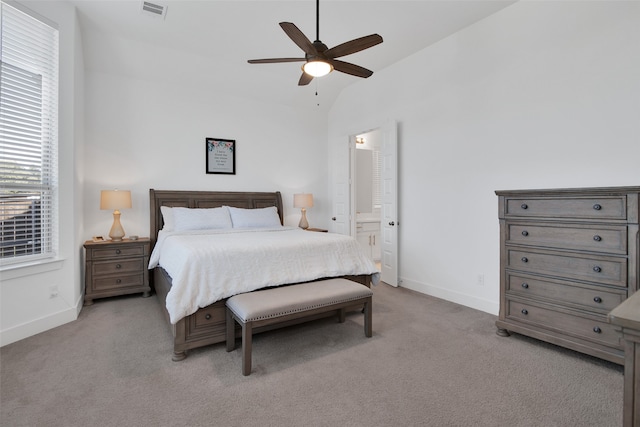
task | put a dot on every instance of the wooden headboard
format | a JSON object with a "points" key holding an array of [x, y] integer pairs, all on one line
{"points": [[207, 199]]}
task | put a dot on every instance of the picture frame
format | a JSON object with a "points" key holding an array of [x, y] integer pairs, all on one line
{"points": [[220, 156]]}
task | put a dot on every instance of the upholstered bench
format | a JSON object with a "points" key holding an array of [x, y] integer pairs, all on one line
{"points": [[277, 305]]}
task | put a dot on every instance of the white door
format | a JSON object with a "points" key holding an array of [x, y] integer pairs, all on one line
{"points": [[389, 210]]}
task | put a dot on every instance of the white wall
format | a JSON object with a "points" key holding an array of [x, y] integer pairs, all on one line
{"points": [[539, 95], [141, 134], [26, 307]]}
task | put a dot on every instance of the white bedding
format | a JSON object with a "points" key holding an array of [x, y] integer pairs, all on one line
{"points": [[207, 266]]}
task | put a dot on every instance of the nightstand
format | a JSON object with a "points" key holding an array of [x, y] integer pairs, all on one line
{"points": [[116, 268], [319, 230]]}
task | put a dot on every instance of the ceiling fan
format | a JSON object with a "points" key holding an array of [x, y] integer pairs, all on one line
{"points": [[319, 60]]}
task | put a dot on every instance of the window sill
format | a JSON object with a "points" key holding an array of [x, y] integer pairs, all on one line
{"points": [[27, 269]]}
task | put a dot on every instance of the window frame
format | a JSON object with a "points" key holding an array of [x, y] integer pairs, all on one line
{"points": [[33, 46]]}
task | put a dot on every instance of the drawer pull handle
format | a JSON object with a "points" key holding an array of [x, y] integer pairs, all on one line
{"points": [[597, 207], [525, 233], [524, 311], [524, 206], [118, 251], [597, 238], [525, 285], [207, 316], [597, 330], [118, 281], [597, 269], [524, 259], [597, 299], [118, 266]]}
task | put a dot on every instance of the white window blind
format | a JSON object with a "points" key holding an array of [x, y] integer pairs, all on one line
{"points": [[377, 167], [28, 137]]}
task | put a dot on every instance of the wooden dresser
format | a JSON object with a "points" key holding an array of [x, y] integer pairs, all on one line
{"points": [[626, 317], [567, 258], [116, 268]]}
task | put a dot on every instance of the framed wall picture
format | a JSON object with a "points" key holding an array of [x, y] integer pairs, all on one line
{"points": [[221, 156]]}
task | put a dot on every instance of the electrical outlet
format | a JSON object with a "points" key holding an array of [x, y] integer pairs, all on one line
{"points": [[480, 280], [53, 291]]}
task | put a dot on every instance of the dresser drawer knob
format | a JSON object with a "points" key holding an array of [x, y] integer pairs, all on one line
{"points": [[525, 233], [597, 238], [207, 316], [524, 206], [118, 266], [524, 259], [118, 281], [525, 285], [118, 251], [597, 269], [597, 299], [524, 311], [597, 207], [597, 329]]}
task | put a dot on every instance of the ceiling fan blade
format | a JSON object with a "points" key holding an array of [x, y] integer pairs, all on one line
{"points": [[353, 46], [348, 68], [275, 60], [299, 38], [305, 79]]}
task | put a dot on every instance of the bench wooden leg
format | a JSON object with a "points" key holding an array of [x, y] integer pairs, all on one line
{"points": [[341, 315], [368, 330], [246, 348], [231, 331]]}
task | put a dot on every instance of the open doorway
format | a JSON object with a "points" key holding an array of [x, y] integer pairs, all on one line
{"points": [[374, 196]]}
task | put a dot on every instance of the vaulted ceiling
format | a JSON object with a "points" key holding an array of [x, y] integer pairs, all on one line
{"points": [[209, 42]]}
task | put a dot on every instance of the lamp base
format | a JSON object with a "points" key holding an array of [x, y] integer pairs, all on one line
{"points": [[304, 224], [117, 232]]}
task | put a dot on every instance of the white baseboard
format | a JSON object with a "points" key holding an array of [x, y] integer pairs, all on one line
{"points": [[34, 327], [481, 304]]}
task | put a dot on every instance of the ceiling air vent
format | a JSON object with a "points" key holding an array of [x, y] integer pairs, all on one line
{"points": [[154, 9]]}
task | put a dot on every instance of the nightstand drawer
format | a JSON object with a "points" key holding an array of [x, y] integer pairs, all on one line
{"points": [[605, 270], [563, 236], [124, 251], [604, 207], [598, 331], [118, 282], [601, 299], [117, 267]]}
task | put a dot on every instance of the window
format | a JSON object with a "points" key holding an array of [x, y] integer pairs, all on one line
{"points": [[28, 137]]}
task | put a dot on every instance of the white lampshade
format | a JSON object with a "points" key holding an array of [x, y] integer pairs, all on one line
{"points": [[317, 68], [303, 200], [115, 199]]}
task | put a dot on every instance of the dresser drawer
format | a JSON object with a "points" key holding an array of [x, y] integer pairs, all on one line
{"points": [[118, 282], [597, 331], [607, 239], [125, 251], [118, 267], [598, 269], [597, 207], [592, 297]]}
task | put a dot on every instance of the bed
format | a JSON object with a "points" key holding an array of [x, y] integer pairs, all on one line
{"points": [[207, 324]]}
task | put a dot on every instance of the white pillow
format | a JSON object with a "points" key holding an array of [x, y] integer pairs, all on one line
{"points": [[201, 218], [167, 217], [254, 218]]}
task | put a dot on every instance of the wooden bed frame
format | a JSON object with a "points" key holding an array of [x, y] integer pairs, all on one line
{"points": [[207, 325]]}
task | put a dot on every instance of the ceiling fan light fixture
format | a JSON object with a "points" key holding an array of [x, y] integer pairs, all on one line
{"points": [[317, 68]]}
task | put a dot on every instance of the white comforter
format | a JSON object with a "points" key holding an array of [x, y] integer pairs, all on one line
{"points": [[207, 266]]}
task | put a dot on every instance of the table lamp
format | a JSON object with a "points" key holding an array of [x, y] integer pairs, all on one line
{"points": [[303, 201], [116, 200]]}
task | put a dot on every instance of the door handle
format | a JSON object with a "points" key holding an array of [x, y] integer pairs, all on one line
{"points": [[333, 218], [392, 223]]}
